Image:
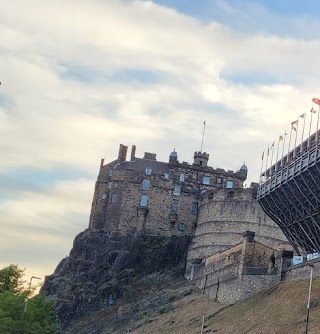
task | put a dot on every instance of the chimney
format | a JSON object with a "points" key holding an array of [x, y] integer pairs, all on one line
{"points": [[133, 153], [101, 163], [122, 156]]}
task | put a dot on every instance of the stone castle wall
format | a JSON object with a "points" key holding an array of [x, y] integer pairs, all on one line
{"points": [[123, 213], [302, 271], [239, 271], [222, 221]]}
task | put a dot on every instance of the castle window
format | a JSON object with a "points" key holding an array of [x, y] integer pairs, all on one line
{"points": [[110, 185], [174, 205], [194, 208], [219, 180], [182, 227], [148, 171], [144, 200], [229, 184], [110, 172], [206, 180], [182, 177], [146, 184], [104, 196], [114, 198], [166, 176], [176, 190]]}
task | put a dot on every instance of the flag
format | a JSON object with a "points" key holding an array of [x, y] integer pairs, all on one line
{"points": [[271, 145], [293, 124], [315, 100], [313, 110], [280, 138], [303, 116]]}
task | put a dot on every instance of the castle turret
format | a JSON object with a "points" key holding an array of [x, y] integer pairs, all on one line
{"points": [[243, 172], [173, 157], [200, 158]]}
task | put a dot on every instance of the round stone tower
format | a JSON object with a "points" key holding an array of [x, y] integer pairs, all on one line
{"points": [[224, 215]]}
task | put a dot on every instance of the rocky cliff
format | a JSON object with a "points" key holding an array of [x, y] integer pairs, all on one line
{"points": [[102, 269]]}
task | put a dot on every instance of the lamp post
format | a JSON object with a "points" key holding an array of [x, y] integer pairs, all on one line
{"points": [[26, 304], [309, 295]]}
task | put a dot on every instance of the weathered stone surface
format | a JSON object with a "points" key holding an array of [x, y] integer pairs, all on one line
{"points": [[102, 269]]}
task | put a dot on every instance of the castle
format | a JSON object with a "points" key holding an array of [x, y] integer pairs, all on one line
{"points": [[233, 244]]}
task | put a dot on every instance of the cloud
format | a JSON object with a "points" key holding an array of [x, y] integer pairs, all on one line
{"points": [[81, 77], [37, 227]]}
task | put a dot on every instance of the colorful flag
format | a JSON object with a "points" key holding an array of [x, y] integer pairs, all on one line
{"points": [[303, 116], [313, 110], [293, 124], [315, 100], [280, 138]]}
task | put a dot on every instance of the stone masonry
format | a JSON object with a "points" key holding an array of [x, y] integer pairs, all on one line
{"points": [[241, 270], [143, 196], [153, 197]]}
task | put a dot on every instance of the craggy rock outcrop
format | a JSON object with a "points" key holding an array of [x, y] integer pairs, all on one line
{"points": [[101, 269]]}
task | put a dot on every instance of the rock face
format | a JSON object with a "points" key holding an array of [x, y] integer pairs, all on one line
{"points": [[101, 269]]}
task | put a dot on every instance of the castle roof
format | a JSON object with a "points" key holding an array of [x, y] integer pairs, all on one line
{"points": [[244, 167], [174, 154], [139, 164]]}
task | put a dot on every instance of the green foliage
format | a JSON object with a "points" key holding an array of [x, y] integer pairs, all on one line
{"points": [[38, 318], [11, 279]]}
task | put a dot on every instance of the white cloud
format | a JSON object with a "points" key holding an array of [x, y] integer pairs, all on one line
{"points": [[38, 227]]}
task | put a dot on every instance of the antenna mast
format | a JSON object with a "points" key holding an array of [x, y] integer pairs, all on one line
{"points": [[204, 127]]}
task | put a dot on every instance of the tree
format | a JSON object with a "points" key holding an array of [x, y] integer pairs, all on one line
{"points": [[11, 279], [39, 317]]}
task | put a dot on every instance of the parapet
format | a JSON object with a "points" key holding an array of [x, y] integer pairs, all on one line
{"points": [[150, 156]]}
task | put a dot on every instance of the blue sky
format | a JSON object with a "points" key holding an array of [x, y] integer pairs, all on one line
{"points": [[247, 15], [79, 78]]}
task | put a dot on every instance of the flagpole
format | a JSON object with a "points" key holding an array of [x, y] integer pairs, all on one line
{"points": [[289, 143], [295, 140], [310, 129], [261, 167], [284, 140], [304, 122], [267, 162], [204, 127], [277, 152], [317, 124], [272, 146]]}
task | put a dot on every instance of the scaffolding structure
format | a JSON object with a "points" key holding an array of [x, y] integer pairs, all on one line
{"points": [[289, 193]]}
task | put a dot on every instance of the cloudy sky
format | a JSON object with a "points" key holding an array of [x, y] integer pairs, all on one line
{"points": [[80, 77]]}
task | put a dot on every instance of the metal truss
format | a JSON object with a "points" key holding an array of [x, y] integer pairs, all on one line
{"points": [[291, 197]]}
